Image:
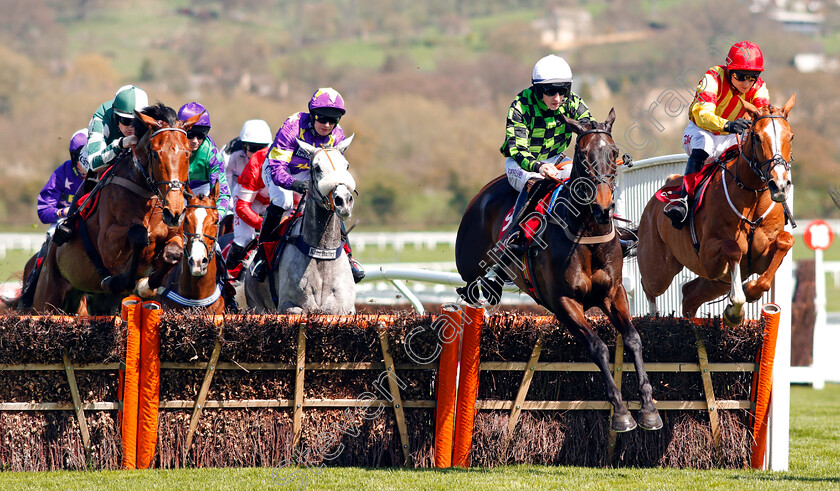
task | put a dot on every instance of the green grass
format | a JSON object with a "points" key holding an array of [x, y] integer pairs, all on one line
{"points": [[814, 451]]}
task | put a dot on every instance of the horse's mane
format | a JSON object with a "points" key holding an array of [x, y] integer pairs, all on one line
{"points": [[158, 111]]}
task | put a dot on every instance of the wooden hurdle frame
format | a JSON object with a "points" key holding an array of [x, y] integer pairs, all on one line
{"points": [[299, 403]]}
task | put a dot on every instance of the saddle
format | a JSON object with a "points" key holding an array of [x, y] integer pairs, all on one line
{"points": [[272, 248], [697, 182]]}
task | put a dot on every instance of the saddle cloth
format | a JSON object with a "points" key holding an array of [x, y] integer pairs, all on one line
{"points": [[273, 248], [531, 225], [697, 182]]}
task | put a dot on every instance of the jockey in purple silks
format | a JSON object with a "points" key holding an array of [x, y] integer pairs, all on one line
{"points": [[206, 165], [286, 168], [55, 199]]}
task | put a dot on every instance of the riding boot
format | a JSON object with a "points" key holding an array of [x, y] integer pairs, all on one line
{"points": [[235, 255], [512, 247], [677, 209], [273, 214], [356, 268]]}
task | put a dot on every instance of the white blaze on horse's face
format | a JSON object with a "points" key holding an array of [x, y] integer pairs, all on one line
{"points": [[197, 259], [774, 134], [331, 175]]}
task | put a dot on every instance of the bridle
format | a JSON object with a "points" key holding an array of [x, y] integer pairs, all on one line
{"points": [[327, 201], [192, 237], [148, 175], [591, 173], [762, 169]]}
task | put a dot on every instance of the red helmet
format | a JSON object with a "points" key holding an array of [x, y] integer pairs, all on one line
{"points": [[745, 55]]}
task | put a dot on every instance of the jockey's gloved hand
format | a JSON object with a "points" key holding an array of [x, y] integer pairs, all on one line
{"points": [[128, 141], [61, 213], [299, 186], [738, 126], [548, 170]]}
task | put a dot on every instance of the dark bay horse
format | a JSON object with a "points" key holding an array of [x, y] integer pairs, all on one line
{"points": [[135, 228], [195, 283], [576, 260], [740, 228]]}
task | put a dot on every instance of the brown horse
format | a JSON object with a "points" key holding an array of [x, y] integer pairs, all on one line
{"points": [[740, 228], [575, 258], [134, 231], [196, 282]]}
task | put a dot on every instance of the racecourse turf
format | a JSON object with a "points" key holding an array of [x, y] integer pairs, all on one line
{"points": [[814, 464]]}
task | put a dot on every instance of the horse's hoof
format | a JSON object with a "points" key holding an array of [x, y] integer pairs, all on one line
{"points": [[731, 319], [113, 285], [622, 423], [650, 421]]}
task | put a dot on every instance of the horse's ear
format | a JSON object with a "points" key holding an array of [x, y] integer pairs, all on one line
{"points": [[610, 120], [789, 105], [573, 124], [149, 121], [193, 120], [749, 107], [345, 143], [214, 193], [309, 149]]}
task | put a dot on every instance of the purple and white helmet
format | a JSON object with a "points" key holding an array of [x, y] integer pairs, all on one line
{"points": [[189, 110], [78, 140], [327, 101]]}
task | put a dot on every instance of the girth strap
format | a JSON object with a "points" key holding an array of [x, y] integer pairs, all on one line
{"points": [[94, 256]]}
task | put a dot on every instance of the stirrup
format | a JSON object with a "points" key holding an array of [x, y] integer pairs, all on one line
{"points": [[357, 270], [677, 211]]}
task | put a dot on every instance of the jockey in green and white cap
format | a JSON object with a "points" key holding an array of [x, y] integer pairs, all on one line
{"points": [[110, 129]]}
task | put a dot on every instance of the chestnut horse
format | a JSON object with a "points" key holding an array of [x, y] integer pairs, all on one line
{"points": [[740, 228], [575, 261], [195, 283], [134, 231]]}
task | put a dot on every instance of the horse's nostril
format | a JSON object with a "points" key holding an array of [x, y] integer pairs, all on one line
{"points": [[339, 202]]}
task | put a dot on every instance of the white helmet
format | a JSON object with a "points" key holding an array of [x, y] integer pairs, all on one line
{"points": [[551, 70], [256, 131]]}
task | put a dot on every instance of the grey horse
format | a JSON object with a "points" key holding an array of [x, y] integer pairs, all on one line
{"points": [[314, 273]]}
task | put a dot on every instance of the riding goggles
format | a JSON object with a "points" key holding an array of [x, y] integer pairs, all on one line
{"points": [[124, 120], [745, 76], [253, 147], [554, 89], [326, 119], [200, 135]]}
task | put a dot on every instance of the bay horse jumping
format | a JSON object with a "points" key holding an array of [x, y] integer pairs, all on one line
{"points": [[313, 274], [575, 260], [134, 231], [739, 229], [195, 282]]}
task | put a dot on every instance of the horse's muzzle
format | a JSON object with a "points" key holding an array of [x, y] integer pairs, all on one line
{"points": [[778, 194], [172, 220]]}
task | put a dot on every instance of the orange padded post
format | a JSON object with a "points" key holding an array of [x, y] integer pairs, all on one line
{"points": [[147, 418], [763, 383], [447, 380], [467, 385], [131, 383]]}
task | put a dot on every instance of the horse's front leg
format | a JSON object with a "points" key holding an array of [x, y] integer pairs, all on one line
{"points": [[571, 315], [618, 311], [716, 257], [171, 255], [778, 249]]}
